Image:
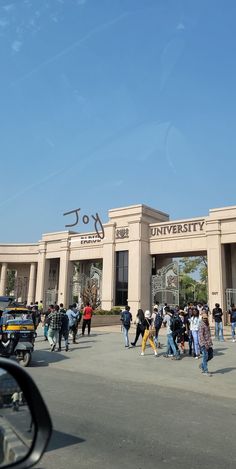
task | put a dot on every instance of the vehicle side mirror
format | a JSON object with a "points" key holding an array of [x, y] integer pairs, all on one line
{"points": [[25, 423]]}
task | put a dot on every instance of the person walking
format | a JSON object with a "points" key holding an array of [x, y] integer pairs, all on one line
{"points": [[171, 348], [182, 335], [87, 317], [157, 321], [232, 313], [205, 342], [126, 318], [217, 314], [148, 333], [54, 327], [140, 326], [194, 327], [72, 318], [34, 317], [41, 310], [15, 400], [64, 331]]}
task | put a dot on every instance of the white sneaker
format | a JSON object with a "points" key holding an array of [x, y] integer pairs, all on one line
{"points": [[142, 353], [233, 340], [155, 353]]}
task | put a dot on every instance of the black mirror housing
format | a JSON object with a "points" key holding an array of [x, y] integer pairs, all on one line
{"points": [[39, 412]]}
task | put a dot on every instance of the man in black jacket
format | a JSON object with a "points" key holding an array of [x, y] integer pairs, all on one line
{"points": [[217, 314]]}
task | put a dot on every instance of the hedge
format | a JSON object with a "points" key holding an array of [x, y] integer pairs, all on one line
{"points": [[116, 310]]}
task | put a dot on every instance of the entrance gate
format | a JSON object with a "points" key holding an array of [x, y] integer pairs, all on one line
{"points": [[230, 297], [165, 285], [51, 297], [87, 288]]}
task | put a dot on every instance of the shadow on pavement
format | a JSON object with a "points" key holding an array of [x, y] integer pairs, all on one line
{"points": [[44, 357], [224, 370], [61, 440], [95, 334], [83, 341], [80, 348]]}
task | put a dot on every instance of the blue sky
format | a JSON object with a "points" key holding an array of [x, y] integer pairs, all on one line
{"points": [[111, 103]]}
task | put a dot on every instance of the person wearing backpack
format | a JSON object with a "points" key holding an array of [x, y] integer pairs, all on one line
{"points": [[176, 327], [158, 319], [168, 320], [126, 318], [140, 326], [64, 331]]}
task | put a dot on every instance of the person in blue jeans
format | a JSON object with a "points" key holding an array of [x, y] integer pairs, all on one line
{"points": [[232, 314], [217, 314], [126, 318], [169, 335], [205, 342]]}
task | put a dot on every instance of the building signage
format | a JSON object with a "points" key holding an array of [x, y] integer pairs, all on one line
{"points": [[178, 228], [122, 233], [90, 239]]}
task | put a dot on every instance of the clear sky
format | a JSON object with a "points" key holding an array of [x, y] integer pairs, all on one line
{"points": [[108, 103]]}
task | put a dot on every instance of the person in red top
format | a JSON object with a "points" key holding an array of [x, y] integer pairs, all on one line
{"points": [[87, 316]]}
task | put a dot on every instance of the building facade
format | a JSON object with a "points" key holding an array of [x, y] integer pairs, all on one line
{"points": [[118, 268]]}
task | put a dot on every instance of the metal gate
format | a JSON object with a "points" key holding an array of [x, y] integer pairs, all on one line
{"points": [[51, 297], [21, 287], [165, 285], [87, 288], [230, 297]]}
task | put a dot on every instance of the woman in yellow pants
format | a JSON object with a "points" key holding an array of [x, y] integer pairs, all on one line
{"points": [[147, 336]]}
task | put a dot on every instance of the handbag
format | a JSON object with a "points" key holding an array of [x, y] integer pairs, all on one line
{"points": [[210, 354], [151, 330], [142, 327]]}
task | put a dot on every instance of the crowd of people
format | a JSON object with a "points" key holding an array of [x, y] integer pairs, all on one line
{"points": [[183, 326], [59, 323], [187, 330]]}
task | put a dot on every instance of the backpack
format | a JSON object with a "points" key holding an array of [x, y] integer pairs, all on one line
{"points": [[126, 318], [158, 321], [233, 316], [176, 324]]}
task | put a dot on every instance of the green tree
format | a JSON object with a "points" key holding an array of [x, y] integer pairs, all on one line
{"points": [[11, 274], [191, 289]]}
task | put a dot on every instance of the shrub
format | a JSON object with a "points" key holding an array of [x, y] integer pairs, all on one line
{"points": [[102, 312], [116, 310]]}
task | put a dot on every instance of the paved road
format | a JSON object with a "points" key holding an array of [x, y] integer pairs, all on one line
{"points": [[20, 422], [113, 408]]}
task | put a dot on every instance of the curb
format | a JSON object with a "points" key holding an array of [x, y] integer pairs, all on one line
{"points": [[13, 448]]}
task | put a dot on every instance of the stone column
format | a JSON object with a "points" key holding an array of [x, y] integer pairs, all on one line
{"points": [[64, 275], [215, 264], [3, 282], [108, 267], [40, 284], [32, 281], [139, 289]]}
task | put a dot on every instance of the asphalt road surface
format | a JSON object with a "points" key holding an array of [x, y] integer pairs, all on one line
{"points": [[112, 408]]}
